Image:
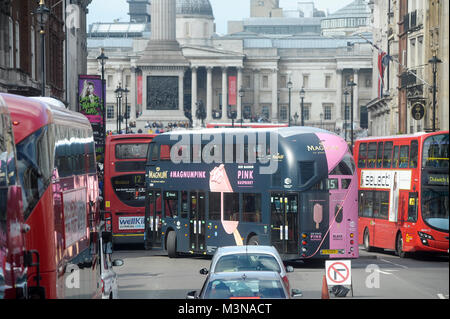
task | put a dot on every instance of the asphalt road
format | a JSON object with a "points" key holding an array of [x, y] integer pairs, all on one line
{"points": [[380, 275]]}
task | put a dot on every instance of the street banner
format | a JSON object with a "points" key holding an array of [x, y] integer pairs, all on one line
{"points": [[90, 104], [139, 90], [232, 90]]}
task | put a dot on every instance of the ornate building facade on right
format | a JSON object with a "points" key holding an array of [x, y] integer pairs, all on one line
{"points": [[410, 67]]}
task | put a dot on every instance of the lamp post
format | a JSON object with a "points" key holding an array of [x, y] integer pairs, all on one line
{"points": [[241, 95], [118, 92], [434, 61], [345, 112], [102, 59], [42, 13], [351, 84], [321, 120], [126, 91], [302, 96], [289, 86]]}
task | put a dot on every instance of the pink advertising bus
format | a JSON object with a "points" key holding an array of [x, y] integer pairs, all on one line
{"points": [[294, 188]]}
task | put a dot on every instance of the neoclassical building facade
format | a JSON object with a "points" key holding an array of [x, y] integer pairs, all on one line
{"points": [[257, 75]]}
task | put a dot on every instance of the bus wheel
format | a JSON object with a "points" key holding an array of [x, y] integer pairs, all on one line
{"points": [[253, 241], [172, 244], [399, 246], [367, 246]]}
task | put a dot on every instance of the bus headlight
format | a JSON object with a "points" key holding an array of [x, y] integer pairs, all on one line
{"points": [[425, 236]]}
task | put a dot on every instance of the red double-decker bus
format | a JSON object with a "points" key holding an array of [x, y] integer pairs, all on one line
{"points": [[403, 192], [57, 171], [13, 269], [124, 185]]}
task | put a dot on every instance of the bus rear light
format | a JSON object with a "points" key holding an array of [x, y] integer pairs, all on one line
{"points": [[352, 242], [304, 249], [352, 235], [304, 242], [304, 236], [103, 286]]}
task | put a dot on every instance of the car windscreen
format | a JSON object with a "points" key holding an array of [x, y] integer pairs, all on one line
{"points": [[247, 262]]}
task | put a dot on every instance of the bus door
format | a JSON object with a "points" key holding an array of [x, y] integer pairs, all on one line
{"points": [[153, 218], [197, 222], [284, 222]]}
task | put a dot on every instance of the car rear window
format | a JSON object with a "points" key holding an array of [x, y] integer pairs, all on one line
{"points": [[247, 262]]}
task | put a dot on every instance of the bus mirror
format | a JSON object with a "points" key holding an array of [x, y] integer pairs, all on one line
{"points": [[203, 271], [289, 269]]}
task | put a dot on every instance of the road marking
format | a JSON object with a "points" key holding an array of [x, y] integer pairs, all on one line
{"points": [[392, 263], [442, 296]]}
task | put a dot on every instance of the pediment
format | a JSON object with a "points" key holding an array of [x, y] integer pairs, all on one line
{"points": [[193, 52]]}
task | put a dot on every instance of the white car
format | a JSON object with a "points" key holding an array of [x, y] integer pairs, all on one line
{"points": [[248, 258], [109, 277]]}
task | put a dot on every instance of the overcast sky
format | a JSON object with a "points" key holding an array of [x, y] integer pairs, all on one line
{"points": [[224, 10]]}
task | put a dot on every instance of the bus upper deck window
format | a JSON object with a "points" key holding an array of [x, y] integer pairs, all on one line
{"points": [[371, 155], [362, 157], [414, 155], [404, 156], [387, 154], [380, 155], [395, 157]]}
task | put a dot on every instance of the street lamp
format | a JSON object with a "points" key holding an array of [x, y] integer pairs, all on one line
{"points": [[102, 59], [295, 118], [351, 84], [126, 91], [345, 112], [241, 95], [118, 92], [321, 120], [302, 96], [289, 86], [434, 60], [42, 13]]}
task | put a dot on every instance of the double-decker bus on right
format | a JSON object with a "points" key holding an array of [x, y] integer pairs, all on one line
{"points": [[403, 192]]}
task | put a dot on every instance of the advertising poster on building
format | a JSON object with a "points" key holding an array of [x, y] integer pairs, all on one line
{"points": [[232, 90], [90, 104]]}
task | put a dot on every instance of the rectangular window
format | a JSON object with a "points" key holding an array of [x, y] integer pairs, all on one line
{"points": [[380, 155], [231, 206], [395, 158], [214, 206], [372, 155], [387, 154], [413, 157], [306, 81], [366, 203], [327, 110], [404, 156], [265, 81], [131, 151], [252, 208], [171, 204], [110, 111], [362, 155], [384, 205]]}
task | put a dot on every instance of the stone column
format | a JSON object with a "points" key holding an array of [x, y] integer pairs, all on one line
{"points": [[356, 97], [163, 17], [224, 91], [339, 94], [239, 98], [209, 94], [255, 92], [194, 94], [275, 96]]}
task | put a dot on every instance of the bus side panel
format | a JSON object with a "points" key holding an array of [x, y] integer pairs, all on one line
{"points": [[41, 238]]}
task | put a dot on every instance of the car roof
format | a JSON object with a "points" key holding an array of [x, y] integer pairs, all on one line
{"points": [[270, 275], [247, 249]]}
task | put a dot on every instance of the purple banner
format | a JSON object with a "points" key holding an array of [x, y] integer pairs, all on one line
{"points": [[90, 98], [90, 104]]}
